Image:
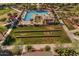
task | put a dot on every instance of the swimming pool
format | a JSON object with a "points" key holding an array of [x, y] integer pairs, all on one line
{"points": [[29, 14]]}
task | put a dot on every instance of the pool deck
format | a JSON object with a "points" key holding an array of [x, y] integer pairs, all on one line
{"points": [[44, 16]]}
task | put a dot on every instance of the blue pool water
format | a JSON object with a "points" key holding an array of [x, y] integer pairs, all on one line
{"points": [[29, 14]]}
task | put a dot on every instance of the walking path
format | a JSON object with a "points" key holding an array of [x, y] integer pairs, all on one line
{"points": [[7, 24], [67, 11], [39, 46], [8, 32], [24, 49], [76, 30], [70, 34], [16, 9]]}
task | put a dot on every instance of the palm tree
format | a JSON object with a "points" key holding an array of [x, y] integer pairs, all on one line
{"points": [[15, 14], [9, 16]]}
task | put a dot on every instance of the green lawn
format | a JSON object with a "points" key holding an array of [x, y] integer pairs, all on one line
{"points": [[3, 11], [30, 28], [63, 36], [3, 29], [42, 40], [28, 34]]}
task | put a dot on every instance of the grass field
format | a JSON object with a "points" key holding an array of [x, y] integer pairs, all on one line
{"points": [[6, 10], [42, 40]]}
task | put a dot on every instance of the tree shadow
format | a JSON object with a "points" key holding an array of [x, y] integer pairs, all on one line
{"points": [[9, 40]]}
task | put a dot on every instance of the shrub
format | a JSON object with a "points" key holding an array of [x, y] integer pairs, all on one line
{"points": [[66, 52], [29, 48], [47, 48], [9, 40]]}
